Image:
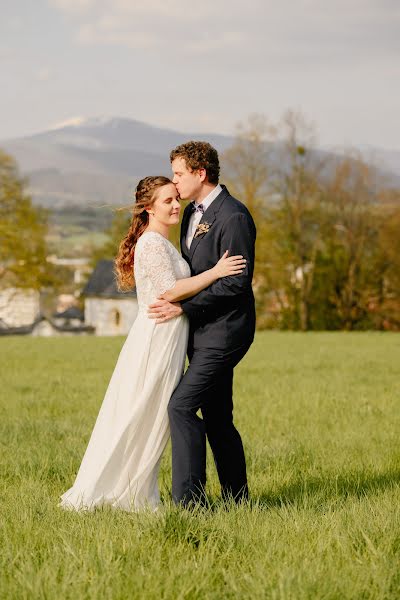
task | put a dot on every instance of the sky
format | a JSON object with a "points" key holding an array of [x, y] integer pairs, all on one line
{"points": [[203, 66]]}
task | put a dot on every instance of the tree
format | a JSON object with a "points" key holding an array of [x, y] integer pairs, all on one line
{"points": [[351, 240], [23, 228], [295, 219], [327, 251], [115, 233], [246, 171], [246, 164], [387, 267]]}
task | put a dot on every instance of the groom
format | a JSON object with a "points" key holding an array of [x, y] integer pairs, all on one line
{"points": [[222, 323]]}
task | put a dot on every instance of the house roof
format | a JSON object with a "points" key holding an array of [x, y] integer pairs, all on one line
{"points": [[102, 282], [27, 329], [73, 312]]}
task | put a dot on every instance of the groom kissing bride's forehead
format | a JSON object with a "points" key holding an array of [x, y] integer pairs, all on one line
{"points": [[201, 302], [195, 166], [221, 328]]}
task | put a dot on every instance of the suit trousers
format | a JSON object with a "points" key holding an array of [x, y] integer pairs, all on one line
{"points": [[206, 385]]}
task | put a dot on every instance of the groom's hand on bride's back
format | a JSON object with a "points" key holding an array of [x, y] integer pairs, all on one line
{"points": [[163, 311]]}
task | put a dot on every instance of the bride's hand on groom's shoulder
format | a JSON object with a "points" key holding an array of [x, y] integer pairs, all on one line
{"points": [[163, 311]]}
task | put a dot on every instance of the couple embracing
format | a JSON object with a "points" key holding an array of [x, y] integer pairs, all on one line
{"points": [[199, 302]]}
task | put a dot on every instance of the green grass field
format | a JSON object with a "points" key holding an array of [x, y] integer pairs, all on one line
{"points": [[319, 416]]}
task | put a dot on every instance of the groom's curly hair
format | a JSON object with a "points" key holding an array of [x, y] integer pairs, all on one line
{"points": [[199, 155]]}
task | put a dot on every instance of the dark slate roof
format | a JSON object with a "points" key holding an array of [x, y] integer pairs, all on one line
{"points": [[102, 282], [23, 330], [27, 329], [73, 312]]}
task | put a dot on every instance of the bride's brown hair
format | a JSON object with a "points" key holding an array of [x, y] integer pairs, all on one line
{"points": [[145, 195]]}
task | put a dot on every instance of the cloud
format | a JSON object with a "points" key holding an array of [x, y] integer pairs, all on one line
{"points": [[173, 9], [156, 8], [68, 123], [13, 23], [204, 65], [261, 31], [74, 7], [157, 26], [43, 74], [226, 40], [6, 54], [90, 34]]}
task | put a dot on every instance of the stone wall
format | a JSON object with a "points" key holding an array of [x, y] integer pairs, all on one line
{"points": [[19, 307], [110, 316]]}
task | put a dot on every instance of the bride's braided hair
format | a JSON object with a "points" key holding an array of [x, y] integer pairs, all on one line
{"points": [[145, 196]]}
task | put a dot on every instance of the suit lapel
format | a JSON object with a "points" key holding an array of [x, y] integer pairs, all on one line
{"points": [[184, 228], [208, 217]]}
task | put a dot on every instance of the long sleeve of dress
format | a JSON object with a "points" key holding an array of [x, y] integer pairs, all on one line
{"points": [[155, 261]]}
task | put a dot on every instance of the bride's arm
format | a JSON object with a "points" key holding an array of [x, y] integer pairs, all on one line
{"points": [[154, 260], [185, 288], [239, 235]]}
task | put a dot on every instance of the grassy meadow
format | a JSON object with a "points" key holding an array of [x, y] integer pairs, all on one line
{"points": [[320, 420]]}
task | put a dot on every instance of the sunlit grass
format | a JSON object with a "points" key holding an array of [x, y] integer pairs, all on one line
{"points": [[319, 416]]}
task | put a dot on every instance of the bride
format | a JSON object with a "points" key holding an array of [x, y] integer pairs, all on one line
{"points": [[121, 462]]}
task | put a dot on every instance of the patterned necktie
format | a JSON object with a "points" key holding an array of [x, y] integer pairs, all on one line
{"points": [[198, 208]]}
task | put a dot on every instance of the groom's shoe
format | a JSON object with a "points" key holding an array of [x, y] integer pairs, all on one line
{"points": [[194, 498]]}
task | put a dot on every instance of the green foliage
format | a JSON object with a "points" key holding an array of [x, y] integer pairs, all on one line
{"points": [[115, 233], [23, 228], [321, 437], [75, 231], [327, 250]]}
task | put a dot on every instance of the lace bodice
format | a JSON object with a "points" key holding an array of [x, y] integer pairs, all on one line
{"points": [[158, 265]]}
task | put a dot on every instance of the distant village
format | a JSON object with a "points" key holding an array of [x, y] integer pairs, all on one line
{"points": [[106, 310]]}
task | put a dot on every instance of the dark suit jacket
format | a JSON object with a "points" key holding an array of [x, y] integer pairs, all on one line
{"points": [[223, 315]]}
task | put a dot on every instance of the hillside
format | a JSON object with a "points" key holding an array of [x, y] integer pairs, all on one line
{"points": [[98, 161]]}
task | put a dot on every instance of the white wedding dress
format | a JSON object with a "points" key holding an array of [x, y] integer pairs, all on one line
{"points": [[121, 462]]}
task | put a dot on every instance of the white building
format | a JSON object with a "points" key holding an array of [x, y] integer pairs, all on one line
{"points": [[18, 307], [46, 327], [108, 310]]}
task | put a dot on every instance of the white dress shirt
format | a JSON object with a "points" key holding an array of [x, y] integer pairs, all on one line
{"points": [[195, 218]]}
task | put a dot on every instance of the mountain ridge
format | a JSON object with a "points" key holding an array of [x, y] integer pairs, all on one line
{"points": [[98, 160]]}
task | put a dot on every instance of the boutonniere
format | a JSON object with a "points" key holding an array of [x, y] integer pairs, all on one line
{"points": [[201, 229]]}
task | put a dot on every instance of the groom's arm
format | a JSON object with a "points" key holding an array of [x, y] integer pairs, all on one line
{"points": [[238, 236]]}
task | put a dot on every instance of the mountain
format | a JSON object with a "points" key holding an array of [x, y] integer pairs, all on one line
{"points": [[98, 161], [385, 160]]}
